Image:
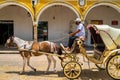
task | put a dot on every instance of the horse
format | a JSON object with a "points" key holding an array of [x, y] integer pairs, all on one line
{"points": [[43, 46]]}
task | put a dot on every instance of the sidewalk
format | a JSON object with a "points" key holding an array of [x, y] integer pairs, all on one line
{"points": [[11, 65]]}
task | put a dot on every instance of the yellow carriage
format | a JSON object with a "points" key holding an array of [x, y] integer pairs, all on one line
{"points": [[106, 52]]}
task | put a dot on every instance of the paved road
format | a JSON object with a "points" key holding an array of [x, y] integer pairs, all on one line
{"points": [[11, 65]]}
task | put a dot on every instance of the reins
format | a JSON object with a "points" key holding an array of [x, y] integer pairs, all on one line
{"points": [[60, 39]]}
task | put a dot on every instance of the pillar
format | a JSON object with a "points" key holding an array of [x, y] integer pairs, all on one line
{"points": [[35, 31]]}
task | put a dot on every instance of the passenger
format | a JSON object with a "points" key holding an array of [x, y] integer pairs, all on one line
{"points": [[79, 33]]}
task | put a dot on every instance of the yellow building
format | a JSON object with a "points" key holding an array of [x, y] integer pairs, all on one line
{"points": [[27, 19]]}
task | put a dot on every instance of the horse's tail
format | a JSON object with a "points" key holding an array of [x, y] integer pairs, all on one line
{"points": [[59, 52]]}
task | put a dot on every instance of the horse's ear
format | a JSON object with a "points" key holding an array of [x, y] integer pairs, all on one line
{"points": [[11, 36]]}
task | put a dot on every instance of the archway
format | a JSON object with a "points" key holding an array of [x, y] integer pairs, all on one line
{"points": [[60, 18], [103, 13], [19, 18]]}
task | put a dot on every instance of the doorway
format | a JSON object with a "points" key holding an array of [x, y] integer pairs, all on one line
{"points": [[58, 22], [6, 29], [42, 31]]}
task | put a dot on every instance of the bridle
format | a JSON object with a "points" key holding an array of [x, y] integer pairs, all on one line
{"points": [[11, 39]]}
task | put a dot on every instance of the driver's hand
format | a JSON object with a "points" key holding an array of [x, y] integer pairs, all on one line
{"points": [[71, 34]]}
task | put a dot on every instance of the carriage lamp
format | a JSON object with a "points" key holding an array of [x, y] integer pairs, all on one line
{"points": [[82, 2]]}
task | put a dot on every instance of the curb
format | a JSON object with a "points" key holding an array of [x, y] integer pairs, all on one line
{"points": [[9, 52]]}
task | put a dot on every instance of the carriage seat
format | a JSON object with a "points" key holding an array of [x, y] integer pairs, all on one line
{"points": [[98, 51], [100, 47]]}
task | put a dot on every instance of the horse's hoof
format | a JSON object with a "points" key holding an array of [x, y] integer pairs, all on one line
{"points": [[35, 70], [55, 71], [45, 72], [22, 72]]}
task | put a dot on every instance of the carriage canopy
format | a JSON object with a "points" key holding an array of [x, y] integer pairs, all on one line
{"points": [[109, 35]]}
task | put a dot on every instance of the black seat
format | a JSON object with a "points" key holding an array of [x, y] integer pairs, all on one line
{"points": [[99, 45]]}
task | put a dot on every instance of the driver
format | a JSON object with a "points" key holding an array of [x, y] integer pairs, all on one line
{"points": [[79, 33]]}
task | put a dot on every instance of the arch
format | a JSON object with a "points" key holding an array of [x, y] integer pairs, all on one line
{"points": [[102, 3], [63, 4], [18, 4]]}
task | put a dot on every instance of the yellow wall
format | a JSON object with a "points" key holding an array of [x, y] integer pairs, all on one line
{"points": [[74, 3], [82, 10], [93, 3]]}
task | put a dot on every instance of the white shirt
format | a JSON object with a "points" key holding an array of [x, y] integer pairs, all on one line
{"points": [[82, 30]]}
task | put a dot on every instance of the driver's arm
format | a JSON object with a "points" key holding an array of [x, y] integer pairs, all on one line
{"points": [[73, 33]]}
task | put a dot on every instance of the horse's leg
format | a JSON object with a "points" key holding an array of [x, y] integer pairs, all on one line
{"points": [[24, 62], [28, 63], [49, 62], [54, 61]]}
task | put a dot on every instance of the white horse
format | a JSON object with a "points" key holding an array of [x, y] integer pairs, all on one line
{"points": [[44, 46]]}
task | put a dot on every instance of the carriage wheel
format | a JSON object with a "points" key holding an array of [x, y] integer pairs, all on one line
{"points": [[101, 66], [113, 67], [72, 70]]}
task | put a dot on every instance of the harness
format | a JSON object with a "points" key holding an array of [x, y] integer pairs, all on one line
{"points": [[52, 47]]}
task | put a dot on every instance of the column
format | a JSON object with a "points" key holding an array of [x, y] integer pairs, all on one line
{"points": [[35, 31]]}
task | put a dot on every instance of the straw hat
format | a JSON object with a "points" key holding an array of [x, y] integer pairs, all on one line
{"points": [[77, 20]]}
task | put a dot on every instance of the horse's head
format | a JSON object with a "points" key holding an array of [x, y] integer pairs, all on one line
{"points": [[10, 42]]}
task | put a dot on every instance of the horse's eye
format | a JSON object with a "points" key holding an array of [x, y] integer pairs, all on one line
{"points": [[8, 41]]}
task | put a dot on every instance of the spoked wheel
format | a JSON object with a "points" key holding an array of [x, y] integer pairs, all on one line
{"points": [[72, 70], [113, 67], [101, 66]]}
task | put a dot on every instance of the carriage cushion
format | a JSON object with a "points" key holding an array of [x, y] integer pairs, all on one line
{"points": [[100, 47], [98, 51]]}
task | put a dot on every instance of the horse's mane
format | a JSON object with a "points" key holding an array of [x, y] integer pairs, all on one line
{"points": [[19, 41]]}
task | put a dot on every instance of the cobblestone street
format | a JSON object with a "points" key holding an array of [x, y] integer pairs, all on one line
{"points": [[11, 65]]}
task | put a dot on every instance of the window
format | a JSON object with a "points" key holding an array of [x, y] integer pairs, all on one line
{"points": [[42, 30], [6, 29]]}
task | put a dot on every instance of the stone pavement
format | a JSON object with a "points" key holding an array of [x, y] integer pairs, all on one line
{"points": [[11, 65]]}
